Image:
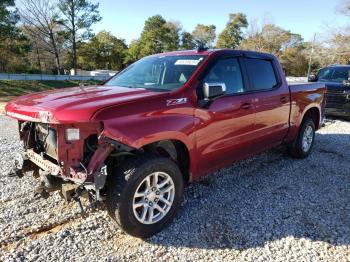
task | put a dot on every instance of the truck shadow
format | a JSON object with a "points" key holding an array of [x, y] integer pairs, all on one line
{"points": [[267, 198]]}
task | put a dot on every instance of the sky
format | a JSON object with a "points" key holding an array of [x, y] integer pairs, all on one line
{"points": [[125, 19]]}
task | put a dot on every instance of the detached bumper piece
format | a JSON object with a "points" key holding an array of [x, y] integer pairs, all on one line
{"points": [[22, 165]]}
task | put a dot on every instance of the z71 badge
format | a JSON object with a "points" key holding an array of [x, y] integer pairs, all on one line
{"points": [[177, 101]]}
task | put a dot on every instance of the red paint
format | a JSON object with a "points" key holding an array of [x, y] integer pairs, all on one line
{"points": [[230, 129]]}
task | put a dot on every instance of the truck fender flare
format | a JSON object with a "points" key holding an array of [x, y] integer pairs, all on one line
{"points": [[307, 108]]}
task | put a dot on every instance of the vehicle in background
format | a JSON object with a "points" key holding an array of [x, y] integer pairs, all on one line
{"points": [[166, 120], [337, 80]]}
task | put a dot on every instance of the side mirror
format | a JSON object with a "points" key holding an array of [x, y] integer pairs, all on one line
{"points": [[346, 82], [213, 90], [312, 78]]}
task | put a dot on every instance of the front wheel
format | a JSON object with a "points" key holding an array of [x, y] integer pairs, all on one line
{"points": [[303, 144], [144, 194]]}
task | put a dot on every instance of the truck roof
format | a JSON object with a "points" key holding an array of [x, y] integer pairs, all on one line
{"points": [[338, 66], [213, 51]]}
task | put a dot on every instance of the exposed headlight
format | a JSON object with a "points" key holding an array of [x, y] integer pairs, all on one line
{"points": [[72, 134], [46, 117]]}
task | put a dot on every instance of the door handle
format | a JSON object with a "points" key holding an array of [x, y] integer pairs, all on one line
{"points": [[246, 106], [284, 99]]}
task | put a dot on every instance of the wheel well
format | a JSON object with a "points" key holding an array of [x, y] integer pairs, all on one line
{"points": [[175, 150], [314, 114]]}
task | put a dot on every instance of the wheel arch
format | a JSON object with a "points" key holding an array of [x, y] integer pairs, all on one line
{"points": [[175, 150], [313, 113]]}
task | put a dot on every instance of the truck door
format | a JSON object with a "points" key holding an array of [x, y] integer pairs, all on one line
{"points": [[271, 101], [225, 126]]}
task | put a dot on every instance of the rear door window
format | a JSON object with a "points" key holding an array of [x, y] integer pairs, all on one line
{"points": [[261, 73]]}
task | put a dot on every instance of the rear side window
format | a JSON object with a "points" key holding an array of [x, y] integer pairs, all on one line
{"points": [[261, 74], [227, 71]]}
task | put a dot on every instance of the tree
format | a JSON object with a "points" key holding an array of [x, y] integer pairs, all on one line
{"points": [[39, 18], [340, 40], [272, 39], [205, 34], [187, 41], [287, 46], [103, 51], [77, 17], [294, 61], [133, 52], [8, 19], [157, 36], [232, 35], [339, 47], [13, 45], [172, 36]]}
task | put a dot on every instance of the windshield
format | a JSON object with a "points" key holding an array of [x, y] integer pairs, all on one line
{"points": [[158, 73], [334, 74]]}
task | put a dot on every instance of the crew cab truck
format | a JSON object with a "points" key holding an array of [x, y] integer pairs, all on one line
{"points": [[166, 120]]}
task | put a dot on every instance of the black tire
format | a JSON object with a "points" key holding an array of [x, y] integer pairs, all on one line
{"points": [[296, 148], [123, 184]]}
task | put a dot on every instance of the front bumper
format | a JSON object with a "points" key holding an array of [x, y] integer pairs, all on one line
{"points": [[338, 102], [31, 161], [42, 163]]}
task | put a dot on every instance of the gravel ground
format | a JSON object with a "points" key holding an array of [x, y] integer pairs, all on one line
{"points": [[269, 207]]}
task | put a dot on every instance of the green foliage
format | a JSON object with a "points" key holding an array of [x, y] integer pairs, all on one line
{"points": [[133, 53], [13, 45], [172, 36], [205, 34], [8, 19], [157, 36], [103, 51], [78, 17], [232, 35], [187, 41]]}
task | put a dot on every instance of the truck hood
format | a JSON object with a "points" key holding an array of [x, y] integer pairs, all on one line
{"points": [[336, 86], [77, 104]]}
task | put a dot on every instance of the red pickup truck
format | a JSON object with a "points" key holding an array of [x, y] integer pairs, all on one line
{"points": [[166, 120]]}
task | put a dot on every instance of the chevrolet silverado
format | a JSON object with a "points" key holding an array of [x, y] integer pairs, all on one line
{"points": [[164, 121]]}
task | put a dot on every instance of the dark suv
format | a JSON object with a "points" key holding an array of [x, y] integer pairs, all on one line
{"points": [[337, 79]]}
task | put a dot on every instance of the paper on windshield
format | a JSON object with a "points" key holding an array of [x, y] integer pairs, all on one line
{"points": [[191, 62]]}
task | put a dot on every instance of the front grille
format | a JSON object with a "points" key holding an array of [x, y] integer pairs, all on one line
{"points": [[336, 99], [46, 140]]}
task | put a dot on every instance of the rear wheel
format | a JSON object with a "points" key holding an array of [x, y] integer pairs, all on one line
{"points": [[303, 144], [144, 194]]}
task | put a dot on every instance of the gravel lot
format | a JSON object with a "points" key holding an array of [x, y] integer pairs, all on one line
{"points": [[269, 207]]}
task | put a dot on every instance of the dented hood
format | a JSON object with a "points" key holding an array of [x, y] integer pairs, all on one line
{"points": [[77, 104]]}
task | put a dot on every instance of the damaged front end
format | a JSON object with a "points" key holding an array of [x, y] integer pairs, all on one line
{"points": [[72, 158]]}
